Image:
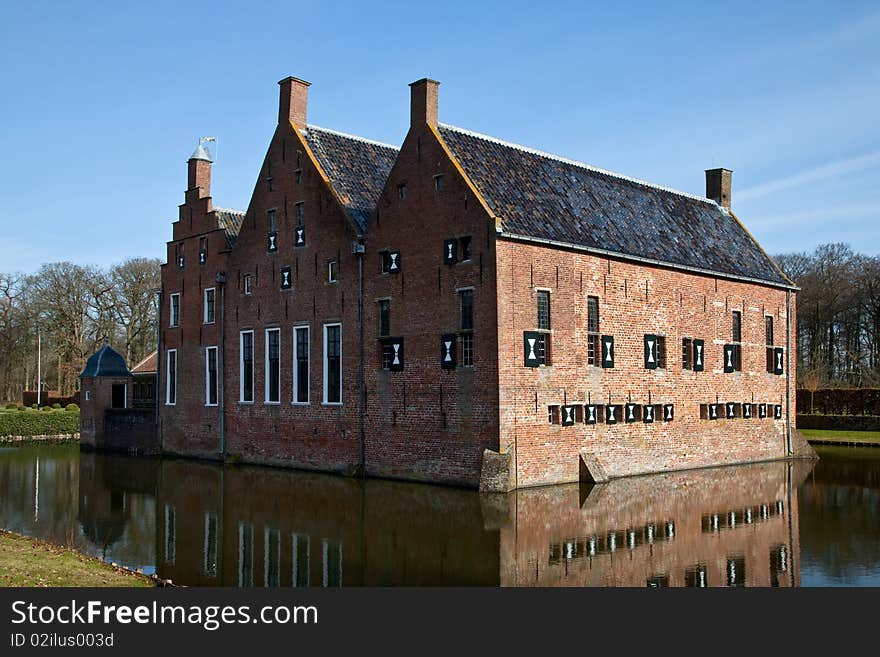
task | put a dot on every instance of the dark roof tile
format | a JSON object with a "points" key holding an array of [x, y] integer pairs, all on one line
{"points": [[537, 195], [357, 168]]}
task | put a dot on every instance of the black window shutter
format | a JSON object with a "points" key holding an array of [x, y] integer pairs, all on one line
{"points": [[762, 411], [285, 278], [699, 355], [778, 360], [668, 412], [714, 411], [631, 414], [650, 352], [777, 412], [396, 345], [300, 236], [747, 411], [448, 351], [648, 413], [608, 351], [530, 349], [273, 242], [591, 414], [393, 259], [568, 415], [450, 251], [730, 411], [612, 414], [729, 358]]}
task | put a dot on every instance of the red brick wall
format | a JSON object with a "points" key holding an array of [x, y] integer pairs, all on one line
{"points": [[408, 435], [314, 436], [676, 304], [92, 425]]}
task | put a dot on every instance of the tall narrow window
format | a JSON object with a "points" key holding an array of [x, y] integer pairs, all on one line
{"points": [[271, 224], [171, 378], [542, 345], [248, 284], [174, 314], [768, 340], [661, 352], [332, 363], [209, 314], [332, 563], [332, 271], [466, 334], [300, 214], [210, 376], [170, 534], [737, 340], [593, 337], [246, 367], [273, 366], [465, 243], [271, 557], [301, 366], [401, 191], [384, 317], [180, 258], [203, 250]]}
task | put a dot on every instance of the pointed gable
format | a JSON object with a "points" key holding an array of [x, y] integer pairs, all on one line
{"points": [[544, 197], [357, 168]]}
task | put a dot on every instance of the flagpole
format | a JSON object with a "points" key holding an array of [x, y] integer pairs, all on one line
{"points": [[39, 366]]}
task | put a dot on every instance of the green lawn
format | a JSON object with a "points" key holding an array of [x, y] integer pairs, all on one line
{"points": [[29, 562], [867, 437]]}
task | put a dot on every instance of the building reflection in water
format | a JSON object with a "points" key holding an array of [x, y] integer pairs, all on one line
{"points": [[201, 524]]}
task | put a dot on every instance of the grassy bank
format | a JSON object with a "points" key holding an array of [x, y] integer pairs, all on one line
{"points": [[860, 437], [29, 562], [44, 422]]}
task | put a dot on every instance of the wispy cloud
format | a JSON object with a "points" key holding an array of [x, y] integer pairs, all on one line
{"points": [[828, 171]]}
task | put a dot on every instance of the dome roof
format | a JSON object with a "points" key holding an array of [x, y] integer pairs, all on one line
{"points": [[106, 362]]}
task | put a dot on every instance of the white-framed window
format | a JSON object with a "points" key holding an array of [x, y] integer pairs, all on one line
{"points": [[171, 378], [300, 364], [271, 557], [246, 367], [174, 310], [211, 387], [301, 559], [210, 305], [332, 271], [331, 560], [273, 366], [248, 284], [333, 363], [88, 395]]}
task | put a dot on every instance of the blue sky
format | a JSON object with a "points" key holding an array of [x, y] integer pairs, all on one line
{"points": [[101, 103]]}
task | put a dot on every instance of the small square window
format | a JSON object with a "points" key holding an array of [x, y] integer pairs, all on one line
{"points": [[332, 271], [553, 415], [247, 284], [438, 182], [401, 191]]}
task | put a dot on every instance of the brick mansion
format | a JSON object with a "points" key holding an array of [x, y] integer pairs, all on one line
{"points": [[460, 310]]}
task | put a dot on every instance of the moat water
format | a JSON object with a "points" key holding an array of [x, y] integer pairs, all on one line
{"points": [[201, 524]]}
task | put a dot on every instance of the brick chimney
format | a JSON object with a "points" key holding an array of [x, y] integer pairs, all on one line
{"points": [[718, 186], [292, 101], [199, 171], [423, 102]]}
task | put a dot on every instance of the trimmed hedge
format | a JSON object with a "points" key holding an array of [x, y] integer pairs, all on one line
{"points": [[39, 424]]}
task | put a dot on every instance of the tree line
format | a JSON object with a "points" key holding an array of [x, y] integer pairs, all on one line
{"points": [[838, 316], [73, 309]]}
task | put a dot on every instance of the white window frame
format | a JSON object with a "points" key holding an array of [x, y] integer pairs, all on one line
{"points": [[168, 378], [88, 395], [208, 376], [171, 318], [332, 276], [266, 367], [241, 398], [205, 305], [248, 285], [326, 370], [308, 399]]}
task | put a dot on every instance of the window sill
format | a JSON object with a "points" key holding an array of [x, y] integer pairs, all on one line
{"points": [[272, 403], [211, 405], [326, 403], [245, 403], [296, 403], [170, 404]]}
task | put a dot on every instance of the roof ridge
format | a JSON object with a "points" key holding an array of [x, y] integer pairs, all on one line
{"points": [[311, 126], [217, 208], [155, 352], [582, 165]]}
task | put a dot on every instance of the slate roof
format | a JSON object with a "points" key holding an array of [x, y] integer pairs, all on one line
{"points": [[230, 221], [105, 362], [357, 168], [538, 195]]}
